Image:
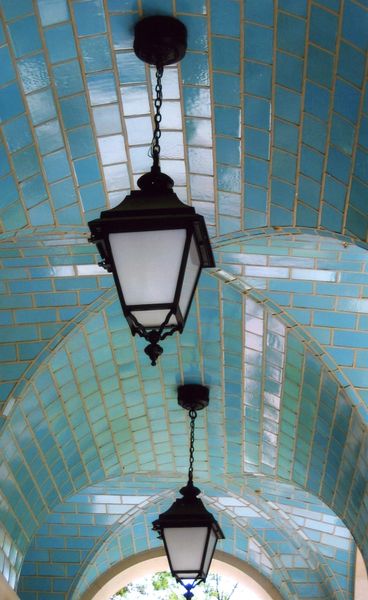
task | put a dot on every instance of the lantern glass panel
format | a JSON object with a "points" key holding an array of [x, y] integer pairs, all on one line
{"points": [[210, 550], [148, 264], [191, 273], [153, 318], [185, 547]]}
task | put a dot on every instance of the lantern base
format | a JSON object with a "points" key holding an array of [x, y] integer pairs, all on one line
{"points": [[160, 40], [193, 396]]}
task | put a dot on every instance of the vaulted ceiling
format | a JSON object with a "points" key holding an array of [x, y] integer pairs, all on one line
{"points": [[265, 133]]}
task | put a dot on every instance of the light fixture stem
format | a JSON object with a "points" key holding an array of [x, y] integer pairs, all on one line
{"points": [[193, 416], [155, 146]]}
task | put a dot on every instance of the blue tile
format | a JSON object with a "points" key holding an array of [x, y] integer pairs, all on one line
{"points": [[74, 111], [96, 53], [289, 71], [286, 136], [309, 191], [255, 198], [4, 163], [60, 43], [41, 106], [320, 66], [306, 216], [25, 36], [89, 17], [363, 132], [26, 163], [7, 72], [342, 134], [13, 9], [228, 151], [186, 6], [53, 12], [226, 89], [331, 218], [284, 165], [9, 192], [227, 121], [33, 72], [56, 166], [93, 196], [287, 105], [197, 102], [228, 179], [122, 31], [102, 89], [339, 165], [260, 12], [228, 26], [355, 24], [314, 133], [346, 100], [298, 8], [70, 215], [258, 43], [226, 55], [87, 170], [257, 112], [360, 170], [68, 79], [351, 64], [323, 28], [81, 142], [256, 171], [291, 34], [18, 134], [49, 137], [41, 215], [317, 101], [130, 68], [33, 191], [257, 79], [63, 193], [197, 32], [311, 163], [282, 193], [256, 142], [11, 103], [335, 192], [194, 69]]}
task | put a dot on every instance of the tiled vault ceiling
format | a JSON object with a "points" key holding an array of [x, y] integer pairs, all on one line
{"points": [[265, 132]]}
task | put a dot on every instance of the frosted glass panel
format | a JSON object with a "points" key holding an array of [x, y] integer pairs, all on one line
{"points": [[185, 546], [210, 549], [193, 266], [153, 318], [148, 263]]}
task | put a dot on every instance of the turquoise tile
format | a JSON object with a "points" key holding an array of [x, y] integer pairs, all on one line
{"points": [[287, 104], [323, 28], [26, 163], [102, 89], [130, 68], [13, 10], [342, 134], [7, 71], [49, 137], [81, 142], [226, 89], [53, 12], [346, 100], [286, 136], [11, 103], [186, 6], [355, 23], [284, 165], [60, 43], [256, 171], [320, 66], [33, 73], [314, 133], [38, 215], [282, 193], [228, 26], [4, 163], [25, 36], [74, 111], [257, 112], [228, 151], [68, 79], [291, 34], [257, 79], [194, 69], [351, 64], [33, 191], [256, 143], [335, 192], [18, 134], [56, 166], [258, 43], [339, 165], [90, 17], [227, 121], [226, 55], [197, 32], [96, 53], [41, 106], [255, 198], [93, 196], [311, 163], [289, 71], [331, 218], [261, 13], [87, 170], [69, 215], [9, 191], [309, 191], [317, 101]]}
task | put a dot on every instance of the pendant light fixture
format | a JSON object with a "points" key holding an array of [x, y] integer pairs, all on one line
{"points": [[154, 245], [189, 531]]}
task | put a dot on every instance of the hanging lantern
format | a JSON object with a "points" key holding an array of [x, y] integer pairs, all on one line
{"points": [[189, 532], [154, 245]]}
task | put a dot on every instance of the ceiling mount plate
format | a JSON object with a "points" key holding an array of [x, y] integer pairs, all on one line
{"points": [[160, 40], [193, 396]]}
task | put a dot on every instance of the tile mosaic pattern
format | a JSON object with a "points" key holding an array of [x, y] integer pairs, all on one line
{"points": [[265, 133]]}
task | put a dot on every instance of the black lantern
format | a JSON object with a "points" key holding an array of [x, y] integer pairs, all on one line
{"points": [[188, 530], [154, 245]]}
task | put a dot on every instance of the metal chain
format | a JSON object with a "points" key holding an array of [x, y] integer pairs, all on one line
{"points": [[155, 146], [193, 416]]}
